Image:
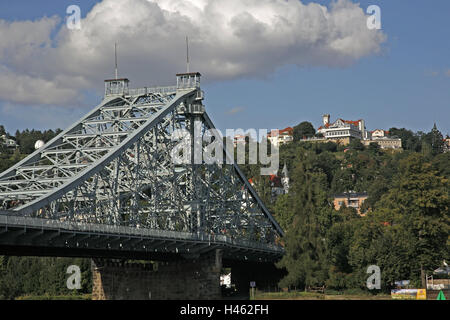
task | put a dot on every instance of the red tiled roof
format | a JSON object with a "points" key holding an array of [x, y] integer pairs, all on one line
{"points": [[288, 130], [276, 180], [326, 126], [355, 123]]}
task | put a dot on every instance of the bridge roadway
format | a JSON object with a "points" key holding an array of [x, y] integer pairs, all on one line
{"points": [[29, 236]]}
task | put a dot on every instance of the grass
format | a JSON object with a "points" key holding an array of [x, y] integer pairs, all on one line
{"points": [[292, 295], [46, 297], [300, 295]]}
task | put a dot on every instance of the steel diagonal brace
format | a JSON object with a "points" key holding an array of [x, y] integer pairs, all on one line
{"points": [[245, 181], [99, 164], [36, 156]]}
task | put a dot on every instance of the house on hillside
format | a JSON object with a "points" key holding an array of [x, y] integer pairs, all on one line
{"points": [[279, 137], [382, 138], [447, 144], [378, 133], [8, 142], [342, 131], [350, 199], [239, 138], [280, 184]]}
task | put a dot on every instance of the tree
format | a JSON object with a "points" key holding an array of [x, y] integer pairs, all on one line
{"points": [[283, 211], [356, 144], [304, 129], [434, 139], [328, 146], [375, 191], [417, 206], [441, 163], [305, 258], [374, 148], [27, 139], [410, 141], [339, 238], [343, 181]]}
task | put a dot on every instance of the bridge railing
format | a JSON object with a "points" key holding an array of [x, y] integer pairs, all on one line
{"points": [[145, 90], [25, 222]]}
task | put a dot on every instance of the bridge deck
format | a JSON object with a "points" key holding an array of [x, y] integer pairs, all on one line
{"points": [[34, 236]]}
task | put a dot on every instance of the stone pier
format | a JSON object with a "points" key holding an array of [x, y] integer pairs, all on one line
{"points": [[182, 279]]}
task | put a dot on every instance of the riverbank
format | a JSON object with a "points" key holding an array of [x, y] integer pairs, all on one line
{"points": [[297, 295]]}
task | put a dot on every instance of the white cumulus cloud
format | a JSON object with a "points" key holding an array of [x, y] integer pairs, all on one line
{"points": [[228, 39]]}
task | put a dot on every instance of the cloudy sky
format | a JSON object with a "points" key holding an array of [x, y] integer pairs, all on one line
{"points": [[265, 63]]}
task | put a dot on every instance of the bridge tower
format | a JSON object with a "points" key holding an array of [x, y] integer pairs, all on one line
{"points": [[193, 113]]}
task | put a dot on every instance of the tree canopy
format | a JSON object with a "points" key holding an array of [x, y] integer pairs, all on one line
{"points": [[304, 129], [405, 227]]}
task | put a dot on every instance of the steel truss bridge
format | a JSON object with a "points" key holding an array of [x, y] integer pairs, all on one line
{"points": [[107, 186]]}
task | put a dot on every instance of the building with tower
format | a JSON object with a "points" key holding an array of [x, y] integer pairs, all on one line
{"points": [[342, 131]]}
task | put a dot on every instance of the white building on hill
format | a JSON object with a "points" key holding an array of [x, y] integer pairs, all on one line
{"points": [[342, 129]]}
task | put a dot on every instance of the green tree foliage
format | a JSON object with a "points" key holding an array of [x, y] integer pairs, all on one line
{"points": [[406, 224], [304, 129], [27, 139], [418, 206], [374, 148], [33, 275], [356, 144], [440, 164], [283, 211], [434, 141], [36, 276], [410, 140], [305, 259], [339, 238]]}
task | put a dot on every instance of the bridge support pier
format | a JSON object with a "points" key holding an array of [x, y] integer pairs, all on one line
{"points": [[182, 279]]}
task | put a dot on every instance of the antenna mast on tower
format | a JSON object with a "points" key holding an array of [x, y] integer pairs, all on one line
{"points": [[115, 55], [187, 54]]}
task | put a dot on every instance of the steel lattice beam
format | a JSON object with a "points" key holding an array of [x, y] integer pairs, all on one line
{"points": [[113, 167]]}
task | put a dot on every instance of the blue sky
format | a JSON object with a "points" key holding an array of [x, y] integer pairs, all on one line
{"points": [[407, 84]]}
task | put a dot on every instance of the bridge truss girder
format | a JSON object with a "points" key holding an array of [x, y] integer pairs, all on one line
{"points": [[114, 167]]}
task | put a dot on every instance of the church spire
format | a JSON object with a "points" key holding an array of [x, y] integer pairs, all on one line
{"points": [[285, 178], [285, 171]]}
